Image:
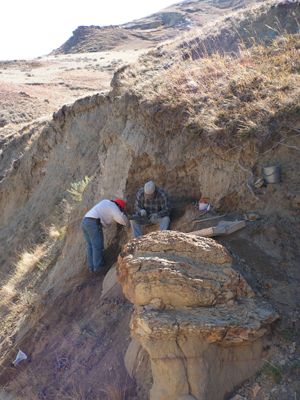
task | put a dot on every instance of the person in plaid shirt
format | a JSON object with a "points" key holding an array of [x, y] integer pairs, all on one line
{"points": [[152, 205]]}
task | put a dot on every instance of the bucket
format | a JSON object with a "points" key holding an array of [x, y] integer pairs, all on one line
{"points": [[203, 204], [272, 173]]}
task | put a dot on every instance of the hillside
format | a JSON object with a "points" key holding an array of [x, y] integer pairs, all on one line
{"points": [[149, 31], [200, 115]]}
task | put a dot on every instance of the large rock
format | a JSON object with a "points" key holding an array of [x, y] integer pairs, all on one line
{"points": [[175, 270], [197, 318]]}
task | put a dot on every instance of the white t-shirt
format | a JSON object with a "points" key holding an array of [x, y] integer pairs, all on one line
{"points": [[108, 212]]}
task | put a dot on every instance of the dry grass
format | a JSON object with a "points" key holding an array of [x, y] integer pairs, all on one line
{"points": [[57, 232], [17, 295], [19, 292], [114, 392], [28, 261], [236, 96], [78, 392]]}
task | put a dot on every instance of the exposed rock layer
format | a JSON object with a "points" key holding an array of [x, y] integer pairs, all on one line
{"points": [[195, 315], [178, 264]]}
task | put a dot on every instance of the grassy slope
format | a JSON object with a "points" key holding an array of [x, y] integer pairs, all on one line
{"points": [[229, 98]]}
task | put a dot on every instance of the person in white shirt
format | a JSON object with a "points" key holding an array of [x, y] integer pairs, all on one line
{"points": [[101, 215]]}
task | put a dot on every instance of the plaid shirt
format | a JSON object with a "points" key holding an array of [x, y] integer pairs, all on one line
{"points": [[159, 204]]}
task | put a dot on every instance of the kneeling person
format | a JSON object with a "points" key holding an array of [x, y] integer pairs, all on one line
{"points": [[152, 204], [101, 215]]}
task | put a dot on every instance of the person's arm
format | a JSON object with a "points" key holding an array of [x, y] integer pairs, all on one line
{"points": [[138, 205], [120, 217], [165, 206]]}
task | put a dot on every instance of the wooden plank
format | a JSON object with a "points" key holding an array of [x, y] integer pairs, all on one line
{"points": [[223, 228], [209, 232], [208, 219], [233, 226]]}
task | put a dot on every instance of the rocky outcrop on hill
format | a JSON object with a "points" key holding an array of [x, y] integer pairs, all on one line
{"points": [[195, 315], [149, 31]]}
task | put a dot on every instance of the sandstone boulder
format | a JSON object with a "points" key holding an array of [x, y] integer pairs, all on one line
{"points": [[175, 270], [197, 317]]}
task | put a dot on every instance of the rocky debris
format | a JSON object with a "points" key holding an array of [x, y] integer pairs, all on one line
{"points": [[197, 318]]}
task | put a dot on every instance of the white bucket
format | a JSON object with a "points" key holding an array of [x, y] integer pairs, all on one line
{"points": [[204, 206], [272, 173]]}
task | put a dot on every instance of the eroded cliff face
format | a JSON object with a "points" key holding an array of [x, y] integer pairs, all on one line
{"points": [[122, 139], [119, 141], [194, 314]]}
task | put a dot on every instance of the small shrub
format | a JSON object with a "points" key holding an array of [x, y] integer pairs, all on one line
{"points": [[77, 189], [272, 371], [57, 232], [289, 334]]}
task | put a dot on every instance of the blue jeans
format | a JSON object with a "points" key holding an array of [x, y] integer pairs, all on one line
{"points": [[163, 222], [93, 235]]}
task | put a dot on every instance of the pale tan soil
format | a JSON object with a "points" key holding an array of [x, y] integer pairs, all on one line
{"points": [[35, 89]]}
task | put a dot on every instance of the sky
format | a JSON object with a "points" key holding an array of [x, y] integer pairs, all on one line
{"points": [[33, 28]]}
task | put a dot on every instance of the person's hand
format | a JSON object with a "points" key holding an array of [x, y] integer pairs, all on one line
{"points": [[143, 213], [154, 218]]}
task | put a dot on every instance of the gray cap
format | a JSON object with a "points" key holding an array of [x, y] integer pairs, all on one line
{"points": [[149, 187]]}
